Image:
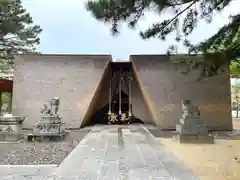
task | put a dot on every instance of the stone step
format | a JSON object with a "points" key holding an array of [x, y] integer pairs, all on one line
{"points": [[191, 130], [198, 139]]}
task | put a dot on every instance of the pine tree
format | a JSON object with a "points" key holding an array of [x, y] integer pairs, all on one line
{"points": [[18, 35], [217, 51]]}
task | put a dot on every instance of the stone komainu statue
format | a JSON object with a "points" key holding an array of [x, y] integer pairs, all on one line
{"points": [[190, 109], [46, 111], [52, 108]]}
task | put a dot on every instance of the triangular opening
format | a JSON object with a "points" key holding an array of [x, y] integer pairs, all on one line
{"points": [[107, 97]]}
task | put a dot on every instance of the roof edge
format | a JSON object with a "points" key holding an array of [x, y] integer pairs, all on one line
{"points": [[106, 56], [59, 54], [163, 55]]}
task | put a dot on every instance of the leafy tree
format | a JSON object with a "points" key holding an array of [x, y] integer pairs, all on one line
{"points": [[235, 69], [218, 50], [17, 33]]}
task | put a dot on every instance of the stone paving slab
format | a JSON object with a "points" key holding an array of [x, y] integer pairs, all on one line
{"points": [[173, 165], [122, 153]]}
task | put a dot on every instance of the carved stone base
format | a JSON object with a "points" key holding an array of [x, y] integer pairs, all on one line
{"points": [[56, 128], [50, 119], [191, 129], [191, 125], [11, 137], [2, 136], [41, 137], [11, 128], [194, 139]]}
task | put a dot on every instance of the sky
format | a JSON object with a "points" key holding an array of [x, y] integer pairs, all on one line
{"points": [[69, 29]]}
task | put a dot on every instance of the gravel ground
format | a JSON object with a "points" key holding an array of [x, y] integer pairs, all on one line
{"points": [[46, 152]]}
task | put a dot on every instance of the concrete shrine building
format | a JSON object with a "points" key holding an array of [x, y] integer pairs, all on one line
{"points": [[150, 86]]}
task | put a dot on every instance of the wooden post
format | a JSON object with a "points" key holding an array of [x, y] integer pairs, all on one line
{"points": [[110, 98], [1, 104], [120, 94], [130, 95], [10, 103]]}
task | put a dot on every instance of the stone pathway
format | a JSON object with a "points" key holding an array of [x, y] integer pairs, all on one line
{"points": [[121, 153]]}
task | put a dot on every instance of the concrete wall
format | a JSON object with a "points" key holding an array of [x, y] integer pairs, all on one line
{"points": [[101, 97], [164, 87], [73, 78], [139, 107]]}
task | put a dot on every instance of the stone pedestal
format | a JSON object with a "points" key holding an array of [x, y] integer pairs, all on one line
{"points": [[49, 126], [191, 125], [194, 139], [11, 128], [192, 129]]}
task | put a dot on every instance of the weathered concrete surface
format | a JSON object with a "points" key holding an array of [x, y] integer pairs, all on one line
{"points": [[100, 98], [139, 107], [76, 80], [122, 152], [73, 78], [164, 87]]}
